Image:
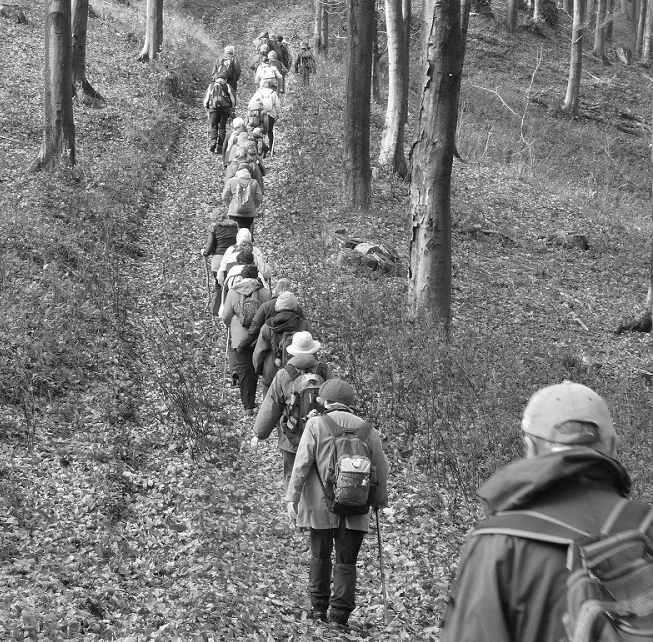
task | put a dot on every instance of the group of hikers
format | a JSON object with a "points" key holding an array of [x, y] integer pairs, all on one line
{"points": [[563, 554]]}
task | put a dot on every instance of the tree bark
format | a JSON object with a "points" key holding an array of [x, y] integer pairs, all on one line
{"points": [[324, 36], [81, 85], [646, 40], [599, 31], [358, 171], [572, 99], [392, 154], [376, 57], [153, 31], [641, 24], [609, 20], [317, 26], [567, 6], [511, 15], [58, 124], [432, 155], [537, 11]]}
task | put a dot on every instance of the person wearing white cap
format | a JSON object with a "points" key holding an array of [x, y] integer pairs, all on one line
{"points": [[512, 577], [279, 396]]}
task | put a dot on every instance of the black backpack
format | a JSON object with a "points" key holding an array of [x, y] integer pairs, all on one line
{"points": [[248, 304], [225, 69], [219, 97]]}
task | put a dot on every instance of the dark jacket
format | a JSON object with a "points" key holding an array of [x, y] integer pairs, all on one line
{"points": [[510, 588], [221, 235], [230, 309], [262, 315]]}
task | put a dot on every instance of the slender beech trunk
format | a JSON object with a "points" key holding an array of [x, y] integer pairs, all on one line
{"points": [[609, 20], [317, 26], [599, 31], [153, 31], [432, 158], [376, 58], [648, 35], [58, 125], [358, 171], [392, 154], [324, 33], [537, 11], [511, 15], [641, 26], [572, 99], [567, 6], [81, 85]]}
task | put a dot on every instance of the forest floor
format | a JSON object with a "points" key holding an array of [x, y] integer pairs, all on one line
{"points": [[114, 531]]}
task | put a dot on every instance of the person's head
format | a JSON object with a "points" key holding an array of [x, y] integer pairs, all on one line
{"points": [[286, 301], [263, 34], [243, 138], [243, 169], [249, 272], [238, 124], [263, 50], [336, 391], [565, 415], [243, 234], [251, 151], [272, 55], [279, 38], [220, 81], [257, 132], [229, 50], [282, 285], [303, 343]]}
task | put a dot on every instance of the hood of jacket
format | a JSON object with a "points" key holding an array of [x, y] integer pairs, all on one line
{"points": [[516, 485], [284, 320], [304, 361], [247, 286], [244, 173]]}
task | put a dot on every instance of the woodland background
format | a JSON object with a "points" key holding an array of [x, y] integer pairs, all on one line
{"points": [[130, 507]]}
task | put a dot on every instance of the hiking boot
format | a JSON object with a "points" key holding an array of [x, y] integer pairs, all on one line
{"points": [[338, 622], [212, 145], [249, 412], [317, 615], [218, 150]]}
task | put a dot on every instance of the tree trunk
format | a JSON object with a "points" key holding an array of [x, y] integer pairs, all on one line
{"points": [[325, 28], [511, 15], [58, 124], [376, 57], [432, 155], [646, 43], [153, 31], [609, 20], [599, 31], [317, 26], [537, 11], [572, 99], [567, 6], [358, 172], [641, 24], [392, 154], [79, 24]]}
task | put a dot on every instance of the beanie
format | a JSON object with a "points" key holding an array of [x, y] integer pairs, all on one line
{"points": [[337, 391], [286, 301]]}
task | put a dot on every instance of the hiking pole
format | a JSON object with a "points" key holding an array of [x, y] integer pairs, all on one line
{"points": [[226, 363], [208, 284], [384, 591]]}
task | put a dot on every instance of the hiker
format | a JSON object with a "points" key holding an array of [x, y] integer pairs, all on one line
{"points": [[257, 117], [276, 335], [230, 258], [267, 74], [279, 401], [273, 61], [237, 127], [268, 98], [222, 234], [228, 67], [259, 57], [243, 196], [240, 306], [262, 147], [512, 586], [309, 507], [273, 44], [262, 39], [219, 102], [246, 155], [285, 56], [305, 63]]}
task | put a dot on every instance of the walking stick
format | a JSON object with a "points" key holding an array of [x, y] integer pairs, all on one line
{"points": [[383, 587], [226, 363], [208, 285]]}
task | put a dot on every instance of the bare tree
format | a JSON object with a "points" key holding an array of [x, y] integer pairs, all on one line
{"points": [[443, 44], [376, 59], [153, 31], [58, 125], [641, 27], [648, 35], [358, 171], [81, 86], [392, 154], [599, 31], [317, 25], [511, 15], [325, 28], [572, 99]]}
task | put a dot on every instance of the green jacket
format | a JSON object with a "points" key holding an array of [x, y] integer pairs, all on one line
{"points": [[511, 589]]}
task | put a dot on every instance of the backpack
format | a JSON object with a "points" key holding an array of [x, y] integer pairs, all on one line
{"points": [[306, 62], [303, 399], [243, 197], [255, 118], [219, 96], [268, 99], [279, 341], [610, 582], [351, 478], [268, 73], [225, 68], [248, 304]]}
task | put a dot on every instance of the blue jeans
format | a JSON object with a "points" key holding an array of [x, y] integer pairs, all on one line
{"points": [[348, 544]]}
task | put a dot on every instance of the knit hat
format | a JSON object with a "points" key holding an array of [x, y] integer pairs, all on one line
{"points": [[303, 343], [337, 391], [229, 49], [243, 234], [286, 301], [272, 55], [550, 408]]}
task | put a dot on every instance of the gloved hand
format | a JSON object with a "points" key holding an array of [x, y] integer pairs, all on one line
{"points": [[292, 513], [253, 444]]}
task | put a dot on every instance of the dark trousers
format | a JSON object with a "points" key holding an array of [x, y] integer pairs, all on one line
{"points": [[218, 119], [348, 544], [271, 122], [288, 462], [248, 378], [244, 221]]}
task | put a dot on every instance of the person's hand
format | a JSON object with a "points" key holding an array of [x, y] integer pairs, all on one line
{"points": [[292, 513], [277, 362], [253, 444], [203, 252]]}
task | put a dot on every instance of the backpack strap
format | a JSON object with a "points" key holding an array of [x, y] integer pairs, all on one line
{"points": [[292, 371]]}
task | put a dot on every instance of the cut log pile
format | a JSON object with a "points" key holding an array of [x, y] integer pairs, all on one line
{"points": [[375, 256]]}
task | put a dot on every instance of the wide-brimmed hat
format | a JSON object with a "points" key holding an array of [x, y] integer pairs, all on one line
{"points": [[337, 391], [303, 343], [571, 414]]}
